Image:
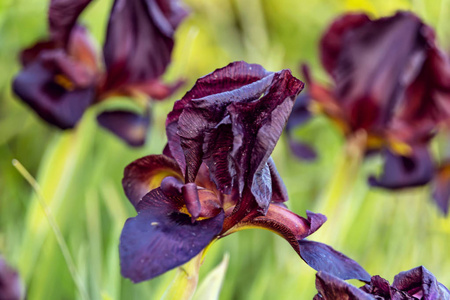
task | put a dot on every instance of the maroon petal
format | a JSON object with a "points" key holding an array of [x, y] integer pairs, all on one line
{"points": [[161, 238], [420, 283], [380, 287], [146, 174], [217, 124], [331, 288], [322, 257], [11, 287], [279, 191], [56, 87], [63, 15], [405, 171], [441, 188], [332, 41], [139, 40], [130, 127], [294, 229], [380, 60]]}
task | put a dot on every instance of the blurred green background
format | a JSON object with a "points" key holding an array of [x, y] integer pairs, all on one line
{"points": [[79, 171]]}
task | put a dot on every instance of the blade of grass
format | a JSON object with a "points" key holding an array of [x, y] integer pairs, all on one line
{"points": [[59, 237]]}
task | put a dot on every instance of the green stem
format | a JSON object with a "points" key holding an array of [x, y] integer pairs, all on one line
{"points": [[185, 282], [51, 220], [336, 202]]}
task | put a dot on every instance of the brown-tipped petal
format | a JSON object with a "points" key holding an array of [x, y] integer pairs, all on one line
{"points": [[322, 257], [161, 238], [63, 15], [130, 127], [146, 174], [333, 288], [139, 41], [191, 199], [405, 171], [420, 283], [83, 49]]}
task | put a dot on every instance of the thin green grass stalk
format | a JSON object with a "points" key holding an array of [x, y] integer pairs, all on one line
{"points": [[51, 220]]}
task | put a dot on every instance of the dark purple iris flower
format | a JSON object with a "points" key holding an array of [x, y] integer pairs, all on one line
{"points": [[216, 177], [417, 283], [11, 287], [391, 81], [62, 77]]}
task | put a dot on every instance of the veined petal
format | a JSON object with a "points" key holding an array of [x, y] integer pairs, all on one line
{"points": [[420, 283], [56, 87], [405, 171], [161, 238], [217, 125], [322, 257], [146, 174], [130, 127], [331, 287], [63, 15]]}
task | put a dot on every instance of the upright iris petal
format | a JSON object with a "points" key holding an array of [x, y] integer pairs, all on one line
{"points": [[217, 177], [139, 43]]}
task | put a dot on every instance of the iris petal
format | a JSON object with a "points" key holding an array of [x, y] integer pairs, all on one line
{"points": [[405, 171], [11, 287], [139, 41], [161, 238], [420, 282], [441, 188], [331, 288], [322, 257], [59, 98], [146, 174], [63, 15], [130, 127]]}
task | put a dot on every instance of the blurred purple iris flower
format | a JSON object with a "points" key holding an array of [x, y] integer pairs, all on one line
{"points": [[62, 76], [417, 283], [391, 81], [216, 177], [11, 287]]}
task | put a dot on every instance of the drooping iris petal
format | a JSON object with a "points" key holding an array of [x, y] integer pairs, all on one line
{"points": [[294, 229], [139, 41], [56, 87], [127, 125], [161, 238], [63, 15], [420, 283], [146, 174], [322, 257], [379, 61], [405, 171], [331, 287], [216, 123], [11, 287], [441, 187]]}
